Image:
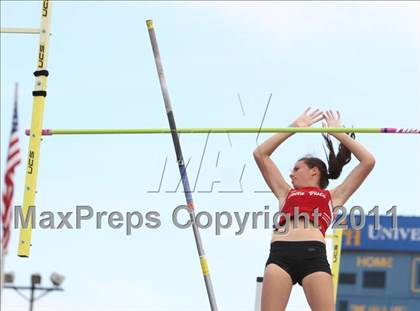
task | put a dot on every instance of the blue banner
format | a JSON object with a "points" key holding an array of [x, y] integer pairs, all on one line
{"points": [[404, 237]]}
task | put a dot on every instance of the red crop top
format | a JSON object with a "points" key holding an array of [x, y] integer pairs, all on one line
{"points": [[307, 199]]}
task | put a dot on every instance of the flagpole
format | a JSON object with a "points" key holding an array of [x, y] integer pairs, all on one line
{"points": [[2, 277], [2, 280], [7, 201]]}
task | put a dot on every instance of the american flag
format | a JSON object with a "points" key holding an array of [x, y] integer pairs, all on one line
{"points": [[13, 160]]}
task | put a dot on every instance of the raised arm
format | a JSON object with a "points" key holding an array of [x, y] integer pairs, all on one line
{"points": [[262, 153], [366, 162]]}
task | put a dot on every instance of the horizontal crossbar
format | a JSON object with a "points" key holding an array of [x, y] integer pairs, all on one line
{"points": [[228, 130]]}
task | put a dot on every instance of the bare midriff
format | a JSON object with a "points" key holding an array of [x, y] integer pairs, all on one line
{"points": [[298, 230]]}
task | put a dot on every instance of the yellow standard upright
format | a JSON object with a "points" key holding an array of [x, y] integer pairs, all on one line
{"points": [[337, 239], [39, 94]]}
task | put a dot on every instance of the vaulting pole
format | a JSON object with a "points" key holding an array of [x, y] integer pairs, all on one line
{"points": [[181, 165]]}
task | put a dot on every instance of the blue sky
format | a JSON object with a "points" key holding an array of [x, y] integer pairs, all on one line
{"points": [[361, 58]]}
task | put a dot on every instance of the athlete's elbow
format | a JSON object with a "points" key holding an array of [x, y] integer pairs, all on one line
{"points": [[261, 154], [258, 154], [369, 162]]}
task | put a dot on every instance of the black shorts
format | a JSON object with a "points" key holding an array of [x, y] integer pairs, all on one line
{"points": [[299, 258]]}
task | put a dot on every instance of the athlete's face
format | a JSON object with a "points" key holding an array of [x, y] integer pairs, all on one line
{"points": [[302, 176]]}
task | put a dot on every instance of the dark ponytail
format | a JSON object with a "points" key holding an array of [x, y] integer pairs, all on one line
{"points": [[335, 162]]}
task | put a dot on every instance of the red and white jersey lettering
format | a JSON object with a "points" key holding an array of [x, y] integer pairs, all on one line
{"points": [[306, 200]]}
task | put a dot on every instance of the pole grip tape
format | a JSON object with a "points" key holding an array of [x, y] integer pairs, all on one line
{"points": [[149, 24], [204, 265]]}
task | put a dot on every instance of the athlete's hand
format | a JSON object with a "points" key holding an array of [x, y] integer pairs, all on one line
{"points": [[308, 118], [331, 119]]}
